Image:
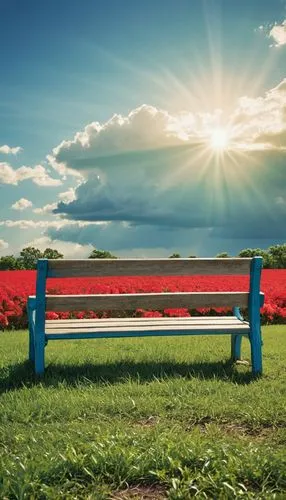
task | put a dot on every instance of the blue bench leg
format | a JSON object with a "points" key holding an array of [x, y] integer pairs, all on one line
{"points": [[31, 344], [39, 354], [236, 347], [31, 321], [256, 351]]}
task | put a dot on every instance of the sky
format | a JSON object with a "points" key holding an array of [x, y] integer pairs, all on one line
{"points": [[143, 128]]}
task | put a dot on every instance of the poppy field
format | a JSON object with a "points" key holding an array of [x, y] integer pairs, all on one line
{"points": [[16, 286]]}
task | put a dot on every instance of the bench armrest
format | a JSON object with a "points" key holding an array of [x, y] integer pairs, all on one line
{"points": [[236, 310], [237, 313]]}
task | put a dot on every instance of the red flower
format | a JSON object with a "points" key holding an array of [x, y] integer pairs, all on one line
{"points": [[64, 315], [80, 315], [183, 312], [52, 315], [16, 286], [3, 320], [152, 314]]}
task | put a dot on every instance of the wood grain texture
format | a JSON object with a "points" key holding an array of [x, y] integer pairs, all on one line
{"points": [[153, 301], [121, 324], [158, 328], [91, 323], [61, 268]]}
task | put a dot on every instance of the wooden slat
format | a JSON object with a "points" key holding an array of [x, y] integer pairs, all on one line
{"points": [[94, 323], [140, 318], [145, 326], [229, 327], [147, 301], [154, 328], [61, 268], [73, 324], [158, 328], [144, 333]]}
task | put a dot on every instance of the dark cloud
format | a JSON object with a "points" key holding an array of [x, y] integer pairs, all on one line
{"points": [[235, 194], [159, 241]]}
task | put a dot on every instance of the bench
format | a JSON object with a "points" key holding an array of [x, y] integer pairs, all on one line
{"points": [[41, 330]]}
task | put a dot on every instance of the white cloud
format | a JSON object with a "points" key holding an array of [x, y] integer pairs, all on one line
{"points": [[68, 249], [7, 174], [278, 33], [3, 244], [28, 224], [22, 204], [145, 128], [61, 168], [47, 209], [38, 174], [45, 224], [261, 122], [98, 146], [7, 150], [67, 196]]}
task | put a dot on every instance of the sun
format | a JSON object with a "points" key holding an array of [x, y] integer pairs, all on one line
{"points": [[219, 139]]}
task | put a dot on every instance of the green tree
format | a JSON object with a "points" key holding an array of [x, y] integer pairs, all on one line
{"points": [[222, 255], [50, 253], [277, 254], [175, 256], [29, 256], [101, 254], [257, 252], [9, 262], [250, 252], [192, 257]]}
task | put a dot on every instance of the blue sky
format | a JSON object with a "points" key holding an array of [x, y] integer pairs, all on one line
{"points": [[142, 127]]}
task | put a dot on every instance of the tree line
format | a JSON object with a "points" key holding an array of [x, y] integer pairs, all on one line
{"points": [[28, 258], [273, 258]]}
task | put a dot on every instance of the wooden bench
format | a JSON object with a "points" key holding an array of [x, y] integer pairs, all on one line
{"points": [[41, 331]]}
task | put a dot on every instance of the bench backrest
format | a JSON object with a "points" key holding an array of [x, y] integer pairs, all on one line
{"points": [[147, 267]]}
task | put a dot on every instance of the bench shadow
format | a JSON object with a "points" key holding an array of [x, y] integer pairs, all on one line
{"points": [[22, 374]]}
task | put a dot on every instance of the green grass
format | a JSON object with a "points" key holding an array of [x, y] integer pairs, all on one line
{"points": [[142, 418]]}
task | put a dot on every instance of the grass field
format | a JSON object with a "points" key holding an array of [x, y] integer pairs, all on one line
{"points": [[142, 419]]}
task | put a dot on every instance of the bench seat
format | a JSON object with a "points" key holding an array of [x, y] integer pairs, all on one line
{"points": [[125, 327]]}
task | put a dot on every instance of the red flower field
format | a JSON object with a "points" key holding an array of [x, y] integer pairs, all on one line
{"points": [[16, 286]]}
